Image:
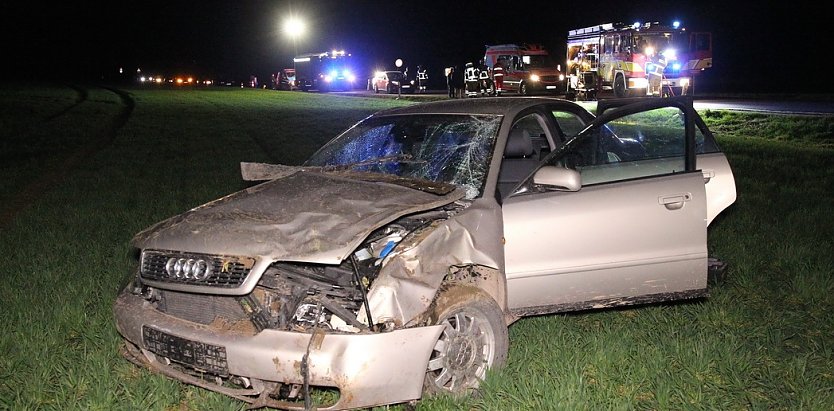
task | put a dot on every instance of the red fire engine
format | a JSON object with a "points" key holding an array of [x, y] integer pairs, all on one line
{"points": [[638, 59], [526, 69]]}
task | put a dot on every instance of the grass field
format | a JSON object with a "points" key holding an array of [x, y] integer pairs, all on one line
{"points": [[84, 168]]}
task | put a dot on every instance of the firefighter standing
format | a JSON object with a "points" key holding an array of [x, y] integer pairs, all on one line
{"points": [[484, 82], [472, 80], [450, 81], [422, 79], [498, 76]]}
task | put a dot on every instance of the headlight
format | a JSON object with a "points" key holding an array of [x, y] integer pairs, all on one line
{"points": [[351, 78], [534, 77], [328, 79], [561, 77]]}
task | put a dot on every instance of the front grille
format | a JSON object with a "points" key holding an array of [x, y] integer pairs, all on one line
{"points": [[226, 271], [200, 308], [550, 79]]}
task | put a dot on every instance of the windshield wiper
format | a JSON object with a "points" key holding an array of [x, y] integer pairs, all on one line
{"points": [[401, 158]]}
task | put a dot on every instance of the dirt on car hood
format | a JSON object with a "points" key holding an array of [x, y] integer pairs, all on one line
{"points": [[302, 216]]}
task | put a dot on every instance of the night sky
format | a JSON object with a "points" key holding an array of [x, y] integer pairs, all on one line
{"points": [[758, 46]]}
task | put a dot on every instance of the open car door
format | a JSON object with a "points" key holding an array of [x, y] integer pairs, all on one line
{"points": [[617, 215], [719, 182]]}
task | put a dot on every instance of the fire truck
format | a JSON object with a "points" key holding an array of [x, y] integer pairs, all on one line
{"points": [[527, 68], [635, 60], [324, 71]]}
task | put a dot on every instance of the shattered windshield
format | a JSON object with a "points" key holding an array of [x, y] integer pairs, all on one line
{"points": [[453, 149]]}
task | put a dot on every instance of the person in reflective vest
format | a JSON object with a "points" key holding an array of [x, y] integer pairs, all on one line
{"points": [[422, 78], [483, 79], [498, 77], [472, 75]]}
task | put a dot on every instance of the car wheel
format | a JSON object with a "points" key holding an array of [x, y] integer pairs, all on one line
{"points": [[619, 86], [522, 89], [474, 340]]}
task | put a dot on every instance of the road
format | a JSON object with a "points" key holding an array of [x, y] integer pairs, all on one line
{"points": [[807, 107], [763, 105]]}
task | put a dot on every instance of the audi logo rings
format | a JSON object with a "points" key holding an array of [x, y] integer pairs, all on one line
{"points": [[187, 268]]}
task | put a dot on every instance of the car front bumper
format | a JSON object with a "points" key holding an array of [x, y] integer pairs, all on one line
{"points": [[368, 369]]}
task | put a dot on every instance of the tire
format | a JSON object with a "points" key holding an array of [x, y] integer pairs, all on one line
{"points": [[522, 89], [475, 340], [619, 86]]}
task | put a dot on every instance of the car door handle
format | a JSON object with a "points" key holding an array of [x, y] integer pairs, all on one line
{"points": [[708, 175], [674, 201]]}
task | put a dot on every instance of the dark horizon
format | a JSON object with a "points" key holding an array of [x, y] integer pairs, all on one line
{"points": [[233, 40]]}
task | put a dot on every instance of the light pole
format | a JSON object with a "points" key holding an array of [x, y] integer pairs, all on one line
{"points": [[399, 63]]}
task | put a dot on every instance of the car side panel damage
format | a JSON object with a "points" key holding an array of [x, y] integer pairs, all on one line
{"points": [[467, 242]]}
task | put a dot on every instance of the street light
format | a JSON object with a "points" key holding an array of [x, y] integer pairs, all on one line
{"points": [[294, 27]]}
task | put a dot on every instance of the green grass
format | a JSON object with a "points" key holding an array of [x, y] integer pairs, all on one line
{"points": [[763, 340]]}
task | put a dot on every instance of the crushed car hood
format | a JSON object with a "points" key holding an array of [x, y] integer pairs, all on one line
{"points": [[304, 216]]}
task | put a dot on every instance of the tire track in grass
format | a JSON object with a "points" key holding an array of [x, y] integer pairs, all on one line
{"points": [[83, 95], [33, 191]]}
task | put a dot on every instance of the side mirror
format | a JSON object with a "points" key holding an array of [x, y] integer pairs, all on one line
{"points": [[559, 178]]}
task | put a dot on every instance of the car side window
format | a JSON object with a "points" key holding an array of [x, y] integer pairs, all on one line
{"points": [[569, 123], [644, 144]]}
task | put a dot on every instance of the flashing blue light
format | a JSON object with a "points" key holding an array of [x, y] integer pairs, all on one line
{"points": [[650, 67], [676, 66], [676, 24], [636, 25], [334, 74]]}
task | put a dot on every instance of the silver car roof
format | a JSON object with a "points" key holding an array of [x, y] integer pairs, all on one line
{"points": [[506, 106]]}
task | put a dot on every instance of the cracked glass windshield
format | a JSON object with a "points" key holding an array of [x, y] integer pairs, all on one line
{"points": [[454, 149]]}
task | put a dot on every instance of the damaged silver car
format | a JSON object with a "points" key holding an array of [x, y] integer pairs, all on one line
{"points": [[391, 263]]}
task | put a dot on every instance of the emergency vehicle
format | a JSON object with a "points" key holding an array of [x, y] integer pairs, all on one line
{"points": [[527, 68], [324, 71], [638, 59]]}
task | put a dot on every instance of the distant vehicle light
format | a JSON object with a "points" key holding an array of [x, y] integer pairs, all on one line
{"points": [[301, 59], [179, 81], [142, 79], [534, 77], [636, 25], [676, 24], [190, 80], [638, 82]]}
